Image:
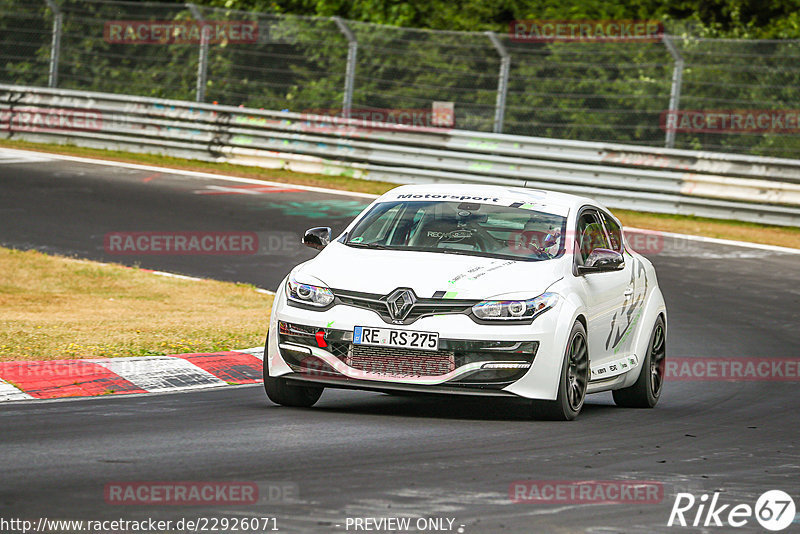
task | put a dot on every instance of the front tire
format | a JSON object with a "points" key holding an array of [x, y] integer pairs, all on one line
{"points": [[646, 391], [573, 381], [281, 392]]}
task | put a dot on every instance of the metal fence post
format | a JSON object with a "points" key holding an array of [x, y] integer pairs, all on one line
{"points": [[350, 70], [202, 60], [502, 82], [675, 90], [55, 43]]}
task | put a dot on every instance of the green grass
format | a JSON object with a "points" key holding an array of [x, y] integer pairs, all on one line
{"points": [[56, 307]]}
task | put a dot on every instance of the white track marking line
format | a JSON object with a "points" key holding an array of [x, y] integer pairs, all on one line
{"points": [[196, 279], [258, 352], [169, 275], [216, 189], [197, 174], [241, 190], [9, 155], [10, 393], [116, 397], [716, 241], [6, 161], [154, 374]]}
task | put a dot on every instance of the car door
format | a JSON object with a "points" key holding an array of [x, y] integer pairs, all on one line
{"points": [[625, 319], [604, 292]]}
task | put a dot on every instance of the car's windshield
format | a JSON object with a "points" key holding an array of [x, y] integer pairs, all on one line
{"points": [[473, 229]]}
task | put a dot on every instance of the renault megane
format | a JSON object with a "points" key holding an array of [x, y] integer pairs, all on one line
{"points": [[472, 290]]}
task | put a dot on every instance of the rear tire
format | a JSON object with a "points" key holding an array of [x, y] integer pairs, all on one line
{"points": [[646, 391], [281, 392], [573, 382]]}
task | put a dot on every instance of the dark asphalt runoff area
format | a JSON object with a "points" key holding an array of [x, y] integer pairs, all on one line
{"points": [[68, 208], [361, 454]]}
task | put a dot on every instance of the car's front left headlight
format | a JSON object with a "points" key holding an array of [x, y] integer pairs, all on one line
{"points": [[312, 295], [514, 310]]}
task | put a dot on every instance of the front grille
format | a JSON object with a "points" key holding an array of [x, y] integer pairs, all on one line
{"points": [[421, 308], [400, 362], [339, 349]]}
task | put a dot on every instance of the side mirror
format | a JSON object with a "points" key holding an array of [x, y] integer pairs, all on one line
{"points": [[317, 238], [602, 260]]}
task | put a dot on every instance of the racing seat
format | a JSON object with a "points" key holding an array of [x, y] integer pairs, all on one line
{"points": [[592, 237]]}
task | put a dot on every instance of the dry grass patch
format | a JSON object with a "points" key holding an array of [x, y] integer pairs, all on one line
{"points": [[782, 236], [55, 307]]}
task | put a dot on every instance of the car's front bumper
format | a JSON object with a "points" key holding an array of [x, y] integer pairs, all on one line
{"points": [[503, 359], [329, 352]]}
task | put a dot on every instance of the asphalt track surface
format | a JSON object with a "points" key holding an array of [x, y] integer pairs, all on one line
{"points": [[359, 454]]}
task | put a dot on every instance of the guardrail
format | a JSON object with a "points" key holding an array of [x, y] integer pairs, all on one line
{"points": [[727, 186]]}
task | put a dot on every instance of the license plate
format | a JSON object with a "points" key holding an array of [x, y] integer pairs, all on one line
{"points": [[388, 337]]}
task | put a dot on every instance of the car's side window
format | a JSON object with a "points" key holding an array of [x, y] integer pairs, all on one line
{"points": [[614, 231], [590, 235]]}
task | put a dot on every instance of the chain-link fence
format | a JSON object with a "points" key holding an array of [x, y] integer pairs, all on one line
{"points": [[598, 91]]}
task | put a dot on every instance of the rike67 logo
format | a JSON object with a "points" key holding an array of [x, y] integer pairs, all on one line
{"points": [[774, 510]]}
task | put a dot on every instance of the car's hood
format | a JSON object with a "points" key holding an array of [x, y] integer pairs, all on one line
{"points": [[463, 277]]}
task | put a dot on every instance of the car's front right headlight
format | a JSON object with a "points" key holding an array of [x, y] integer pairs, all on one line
{"points": [[312, 295], [514, 310]]}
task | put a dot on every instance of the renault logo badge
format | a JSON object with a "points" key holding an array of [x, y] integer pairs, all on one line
{"points": [[400, 302]]}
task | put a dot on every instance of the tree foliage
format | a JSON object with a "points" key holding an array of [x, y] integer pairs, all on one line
{"points": [[587, 91], [762, 19]]}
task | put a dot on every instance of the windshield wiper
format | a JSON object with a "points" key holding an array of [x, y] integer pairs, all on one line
{"points": [[456, 251], [474, 253], [366, 245]]}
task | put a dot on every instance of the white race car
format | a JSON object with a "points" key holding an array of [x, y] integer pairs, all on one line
{"points": [[472, 290]]}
